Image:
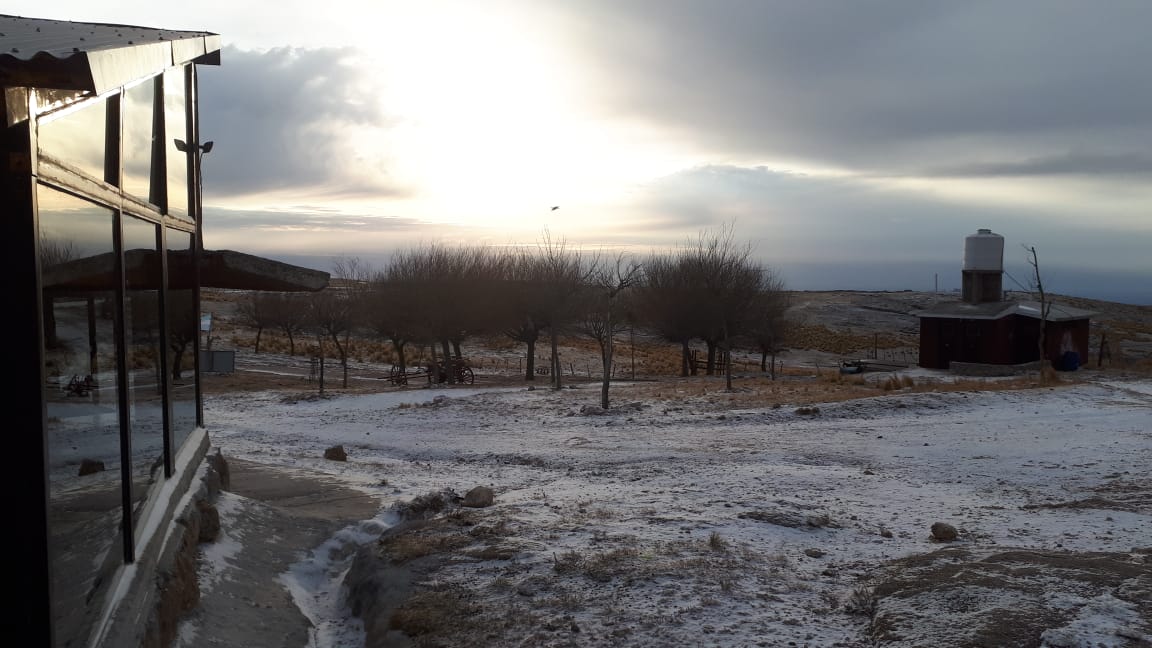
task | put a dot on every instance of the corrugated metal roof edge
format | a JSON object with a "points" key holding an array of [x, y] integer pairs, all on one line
{"points": [[1057, 313], [107, 66]]}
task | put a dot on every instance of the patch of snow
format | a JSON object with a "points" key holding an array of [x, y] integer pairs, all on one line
{"points": [[657, 481]]}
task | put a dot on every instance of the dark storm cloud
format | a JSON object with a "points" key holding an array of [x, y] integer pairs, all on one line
{"points": [[886, 85], [285, 118]]}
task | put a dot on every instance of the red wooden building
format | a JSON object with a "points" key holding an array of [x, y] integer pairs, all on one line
{"points": [[1001, 333], [985, 329]]}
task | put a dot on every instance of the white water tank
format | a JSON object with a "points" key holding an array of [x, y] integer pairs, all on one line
{"points": [[984, 252]]}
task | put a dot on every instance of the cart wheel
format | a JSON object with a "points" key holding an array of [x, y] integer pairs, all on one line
{"points": [[466, 376]]}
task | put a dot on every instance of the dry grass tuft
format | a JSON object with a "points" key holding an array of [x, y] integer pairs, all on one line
{"points": [[861, 601], [434, 610], [424, 506], [569, 562]]}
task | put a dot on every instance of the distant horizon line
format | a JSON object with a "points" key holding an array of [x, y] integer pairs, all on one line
{"points": [[1116, 286]]}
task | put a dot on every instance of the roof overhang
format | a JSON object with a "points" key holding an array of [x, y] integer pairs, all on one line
{"points": [[218, 269], [236, 270], [94, 57]]}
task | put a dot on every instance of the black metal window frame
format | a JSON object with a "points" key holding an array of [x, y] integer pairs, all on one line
{"points": [[107, 192]]}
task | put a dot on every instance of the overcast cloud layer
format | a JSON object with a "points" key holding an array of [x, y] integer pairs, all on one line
{"points": [[888, 86]]}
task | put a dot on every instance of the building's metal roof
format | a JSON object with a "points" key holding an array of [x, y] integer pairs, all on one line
{"points": [[997, 310], [96, 57]]}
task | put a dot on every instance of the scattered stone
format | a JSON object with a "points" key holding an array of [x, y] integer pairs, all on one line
{"points": [[90, 466], [819, 521], [789, 519], [813, 552], [943, 532], [479, 497], [336, 453], [779, 518], [221, 473], [885, 533], [209, 521], [869, 472]]}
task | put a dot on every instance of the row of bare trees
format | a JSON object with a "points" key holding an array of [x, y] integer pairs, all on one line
{"points": [[710, 289]]}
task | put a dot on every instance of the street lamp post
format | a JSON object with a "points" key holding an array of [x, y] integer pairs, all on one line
{"points": [[201, 151]]}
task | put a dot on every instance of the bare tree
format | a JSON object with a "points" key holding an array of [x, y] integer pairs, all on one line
{"points": [[607, 283], [525, 300], [731, 282], [765, 328], [450, 293], [287, 313], [563, 276], [54, 252], [330, 316], [257, 310], [1045, 306], [669, 301], [182, 329]]}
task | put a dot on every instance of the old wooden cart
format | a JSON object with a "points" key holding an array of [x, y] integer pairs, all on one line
{"points": [[438, 373]]}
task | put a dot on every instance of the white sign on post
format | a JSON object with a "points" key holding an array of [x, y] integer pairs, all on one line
{"points": [[206, 323]]}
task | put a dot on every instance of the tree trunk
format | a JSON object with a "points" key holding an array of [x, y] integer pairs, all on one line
{"points": [[178, 360], [449, 363], [530, 364], [434, 368], [342, 350], [711, 368], [606, 357], [556, 379], [291, 344], [726, 358], [320, 344], [398, 344], [259, 331], [685, 359]]}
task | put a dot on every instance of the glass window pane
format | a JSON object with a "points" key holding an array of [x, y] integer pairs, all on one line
{"points": [[139, 130], [176, 128], [182, 332], [143, 352], [77, 139], [83, 424]]}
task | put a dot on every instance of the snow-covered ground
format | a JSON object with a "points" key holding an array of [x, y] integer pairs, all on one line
{"points": [[675, 520]]}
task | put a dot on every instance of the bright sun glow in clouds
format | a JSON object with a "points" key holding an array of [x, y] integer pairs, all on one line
{"points": [[491, 125]]}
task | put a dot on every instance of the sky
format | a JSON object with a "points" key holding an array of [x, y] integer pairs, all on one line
{"points": [[656, 477], [854, 145]]}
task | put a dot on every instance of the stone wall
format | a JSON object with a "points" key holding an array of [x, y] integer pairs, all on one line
{"points": [[176, 574]]}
